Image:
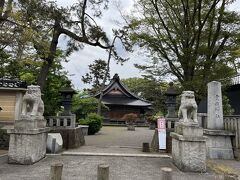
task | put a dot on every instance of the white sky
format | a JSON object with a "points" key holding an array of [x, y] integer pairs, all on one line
{"points": [[79, 61]]}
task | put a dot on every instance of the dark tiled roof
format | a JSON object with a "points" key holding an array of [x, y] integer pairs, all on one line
{"points": [[126, 97], [12, 83]]}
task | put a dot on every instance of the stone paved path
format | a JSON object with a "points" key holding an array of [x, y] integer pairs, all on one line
{"points": [[112, 139], [120, 136]]}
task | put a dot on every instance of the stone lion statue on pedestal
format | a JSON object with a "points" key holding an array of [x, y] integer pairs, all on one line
{"points": [[32, 102], [188, 108]]}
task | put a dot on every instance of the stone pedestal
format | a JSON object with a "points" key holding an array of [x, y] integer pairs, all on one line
{"points": [[189, 148], [72, 137], [27, 146], [29, 122], [219, 145], [28, 139]]}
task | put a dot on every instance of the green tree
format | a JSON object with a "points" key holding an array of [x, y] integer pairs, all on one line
{"points": [[83, 104], [28, 69], [96, 75], [190, 40], [148, 89], [57, 78], [43, 22]]}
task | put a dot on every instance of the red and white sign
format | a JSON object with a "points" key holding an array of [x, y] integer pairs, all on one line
{"points": [[162, 133]]}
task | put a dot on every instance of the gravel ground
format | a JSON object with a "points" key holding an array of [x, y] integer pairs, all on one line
{"points": [[108, 140], [85, 168]]}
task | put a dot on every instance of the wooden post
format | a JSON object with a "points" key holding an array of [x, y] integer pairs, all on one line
{"points": [[103, 172], [56, 171], [230, 177], [145, 147], [166, 173]]}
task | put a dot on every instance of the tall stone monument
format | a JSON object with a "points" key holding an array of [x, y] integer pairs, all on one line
{"points": [[29, 137], [188, 142], [215, 110], [219, 144]]}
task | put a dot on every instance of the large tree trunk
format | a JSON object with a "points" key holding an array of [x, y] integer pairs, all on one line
{"points": [[43, 75], [41, 81], [99, 110]]}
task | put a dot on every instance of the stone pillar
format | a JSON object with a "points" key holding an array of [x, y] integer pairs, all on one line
{"points": [[215, 109], [219, 145], [28, 139]]}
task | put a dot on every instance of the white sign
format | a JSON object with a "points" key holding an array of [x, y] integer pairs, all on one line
{"points": [[162, 133]]}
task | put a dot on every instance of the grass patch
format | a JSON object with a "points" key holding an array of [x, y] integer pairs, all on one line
{"points": [[221, 168]]}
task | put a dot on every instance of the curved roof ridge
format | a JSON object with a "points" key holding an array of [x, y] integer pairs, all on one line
{"points": [[108, 86], [124, 86], [116, 79]]}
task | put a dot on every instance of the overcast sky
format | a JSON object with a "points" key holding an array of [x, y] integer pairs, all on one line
{"points": [[79, 61]]}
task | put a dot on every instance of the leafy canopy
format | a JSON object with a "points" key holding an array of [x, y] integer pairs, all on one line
{"points": [[193, 41], [96, 74]]}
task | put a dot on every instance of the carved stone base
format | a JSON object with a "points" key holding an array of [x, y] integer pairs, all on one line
{"points": [[219, 145], [28, 124], [189, 148], [189, 153], [188, 129], [27, 147]]}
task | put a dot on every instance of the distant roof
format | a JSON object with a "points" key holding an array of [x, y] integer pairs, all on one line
{"points": [[116, 93], [12, 83]]}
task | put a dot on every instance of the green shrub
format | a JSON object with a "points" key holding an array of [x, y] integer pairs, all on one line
{"points": [[83, 121], [94, 122]]}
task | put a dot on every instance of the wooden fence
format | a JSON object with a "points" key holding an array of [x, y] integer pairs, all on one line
{"points": [[231, 123]]}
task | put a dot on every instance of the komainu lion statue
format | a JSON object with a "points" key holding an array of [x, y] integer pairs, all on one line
{"points": [[188, 108], [32, 102]]}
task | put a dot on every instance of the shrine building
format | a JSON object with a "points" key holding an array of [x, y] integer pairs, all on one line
{"points": [[121, 101]]}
